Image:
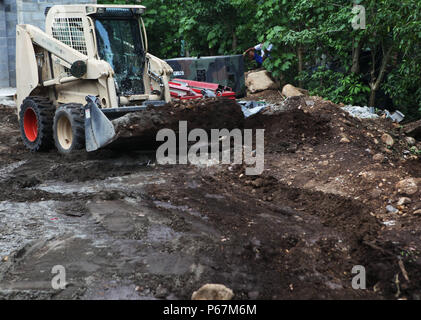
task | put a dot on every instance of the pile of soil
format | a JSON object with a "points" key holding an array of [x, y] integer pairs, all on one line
{"points": [[270, 96], [413, 129], [321, 207], [9, 134], [204, 114], [286, 130]]}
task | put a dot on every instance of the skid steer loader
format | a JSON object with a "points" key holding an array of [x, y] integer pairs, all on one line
{"points": [[90, 66]]}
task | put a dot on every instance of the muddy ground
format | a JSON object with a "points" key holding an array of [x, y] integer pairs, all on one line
{"points": [[125, 227]]}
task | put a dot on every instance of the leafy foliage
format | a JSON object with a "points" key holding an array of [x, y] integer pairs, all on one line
{"points": [[315, 45], [336, 86]]}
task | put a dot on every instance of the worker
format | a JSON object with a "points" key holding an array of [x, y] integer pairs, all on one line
{"points": [[258, 54]]}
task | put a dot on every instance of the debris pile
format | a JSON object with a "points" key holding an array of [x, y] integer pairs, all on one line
{"points": [[361, 112], [6, 97]]}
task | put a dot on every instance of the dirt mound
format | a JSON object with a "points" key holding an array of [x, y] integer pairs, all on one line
{"points": [[271, 96], [8, 114], [295, 232], [10, 141], [311, 121], [297, 245], [288, 130], [203, 114]]}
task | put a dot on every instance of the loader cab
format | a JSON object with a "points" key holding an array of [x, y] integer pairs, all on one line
{"points": [[120, 42]]}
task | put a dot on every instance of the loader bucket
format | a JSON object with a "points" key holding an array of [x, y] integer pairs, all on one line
{"points": [[99, 131]]}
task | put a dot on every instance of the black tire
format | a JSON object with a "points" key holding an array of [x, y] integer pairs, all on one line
{"points": [[69, 128], [36, 123]]}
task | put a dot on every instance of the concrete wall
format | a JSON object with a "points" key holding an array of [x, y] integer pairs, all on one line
{"points": [[4, 59], [11, 20], [14, 12]]}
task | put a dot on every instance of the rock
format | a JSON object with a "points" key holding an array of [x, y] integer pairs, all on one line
{"points": [[161, 292], [258, 183], [407, 186], [345, 140], [410, 141], [213, 292], [378, 157], [260, 81], [253, 295], [291, 91], [376, 193], [388, 140], [417, 212], [404, 200], [391, 209], [4, 149]]}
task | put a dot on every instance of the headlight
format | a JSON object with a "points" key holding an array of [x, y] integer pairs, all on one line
{"points": [[90, 9]]}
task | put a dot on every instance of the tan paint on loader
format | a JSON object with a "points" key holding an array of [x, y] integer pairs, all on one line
{"points": [[43, 62]]}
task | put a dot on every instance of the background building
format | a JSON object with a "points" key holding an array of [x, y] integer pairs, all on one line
{"points": [[13, 12]]}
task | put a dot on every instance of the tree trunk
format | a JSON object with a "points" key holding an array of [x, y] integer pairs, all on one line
{"points": [[376, 82], [372, 101], [300, 63], [356, 50], [234, 41], [373, 78]]}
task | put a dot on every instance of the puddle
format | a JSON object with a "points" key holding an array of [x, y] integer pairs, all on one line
{"points": [[115, 290], [161, 233], [169, 206], [96, 186], [22, 223], [6, 171]]}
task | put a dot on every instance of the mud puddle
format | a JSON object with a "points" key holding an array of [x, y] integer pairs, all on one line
{"points": [[130, 182], [7, 171], [24, 222]]}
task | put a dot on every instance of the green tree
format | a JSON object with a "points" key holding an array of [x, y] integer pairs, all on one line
{"points": [[315, 45]]}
